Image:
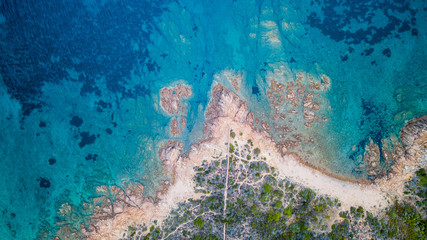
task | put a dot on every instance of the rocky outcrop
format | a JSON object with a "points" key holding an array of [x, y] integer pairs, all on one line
{"points": [[170, 98], [414, 138], [114, 200], [111, 208], [296, 102], [175, 129], [171, 101], [225, 103], [170, 153], [409, 157], [400, 159]]}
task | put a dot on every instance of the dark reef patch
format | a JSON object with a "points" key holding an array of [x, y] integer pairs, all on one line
{"points": [[87, 139], [405, 27], [102, 105], [387, 52], [76, 121], [354, 21], [373, 121], [91, 156], [52, 161], [28, 108], [255, 90], [367, 52], [109, 131], [414, 32], [44, 182], [55, 35], [88, 87], [42, 124]]}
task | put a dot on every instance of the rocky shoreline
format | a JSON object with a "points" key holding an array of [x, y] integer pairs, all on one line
{"points": [[227, 111]]}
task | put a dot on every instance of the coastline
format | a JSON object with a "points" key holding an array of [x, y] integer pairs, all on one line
{"points": [[227, 111]]}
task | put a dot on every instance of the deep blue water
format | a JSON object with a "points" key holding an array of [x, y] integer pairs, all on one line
{"points": [[80, 85]]}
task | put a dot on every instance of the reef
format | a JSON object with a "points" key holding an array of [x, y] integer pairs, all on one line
{"points": [[295, 103]]}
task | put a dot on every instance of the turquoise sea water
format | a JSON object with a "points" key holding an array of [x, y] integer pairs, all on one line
{"points": [[80, 85]]}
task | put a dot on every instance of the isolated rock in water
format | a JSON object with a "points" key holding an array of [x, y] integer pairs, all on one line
{"points": [[175, 130], [170, 98], [171, 101]]}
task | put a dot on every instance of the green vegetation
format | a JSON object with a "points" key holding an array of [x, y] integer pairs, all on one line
{"points": [[273, 216], [132, 231], [405, 222], [267, 188], [288, 211], [403, 219], [417, 190], [231, 148], [198, 222]]}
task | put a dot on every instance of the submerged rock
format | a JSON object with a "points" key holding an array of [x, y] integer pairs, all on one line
{"points": [[52, 161], [44, 182], [76, 121]]}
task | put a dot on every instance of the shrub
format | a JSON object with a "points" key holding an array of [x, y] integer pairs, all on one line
{"points": [[231, 148], [266, 188], [199, 222], [277, 204], [288, 211], [273, 216]]}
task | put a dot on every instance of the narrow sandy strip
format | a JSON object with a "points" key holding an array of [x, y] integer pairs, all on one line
{"points": [[370, 197]]}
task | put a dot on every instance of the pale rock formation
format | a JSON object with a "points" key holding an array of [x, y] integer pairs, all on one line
{"points": [[171, 101], [170, 98], [408, 158]]}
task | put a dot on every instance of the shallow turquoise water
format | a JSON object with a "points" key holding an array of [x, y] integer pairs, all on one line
{"points": [[81, 79]]}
